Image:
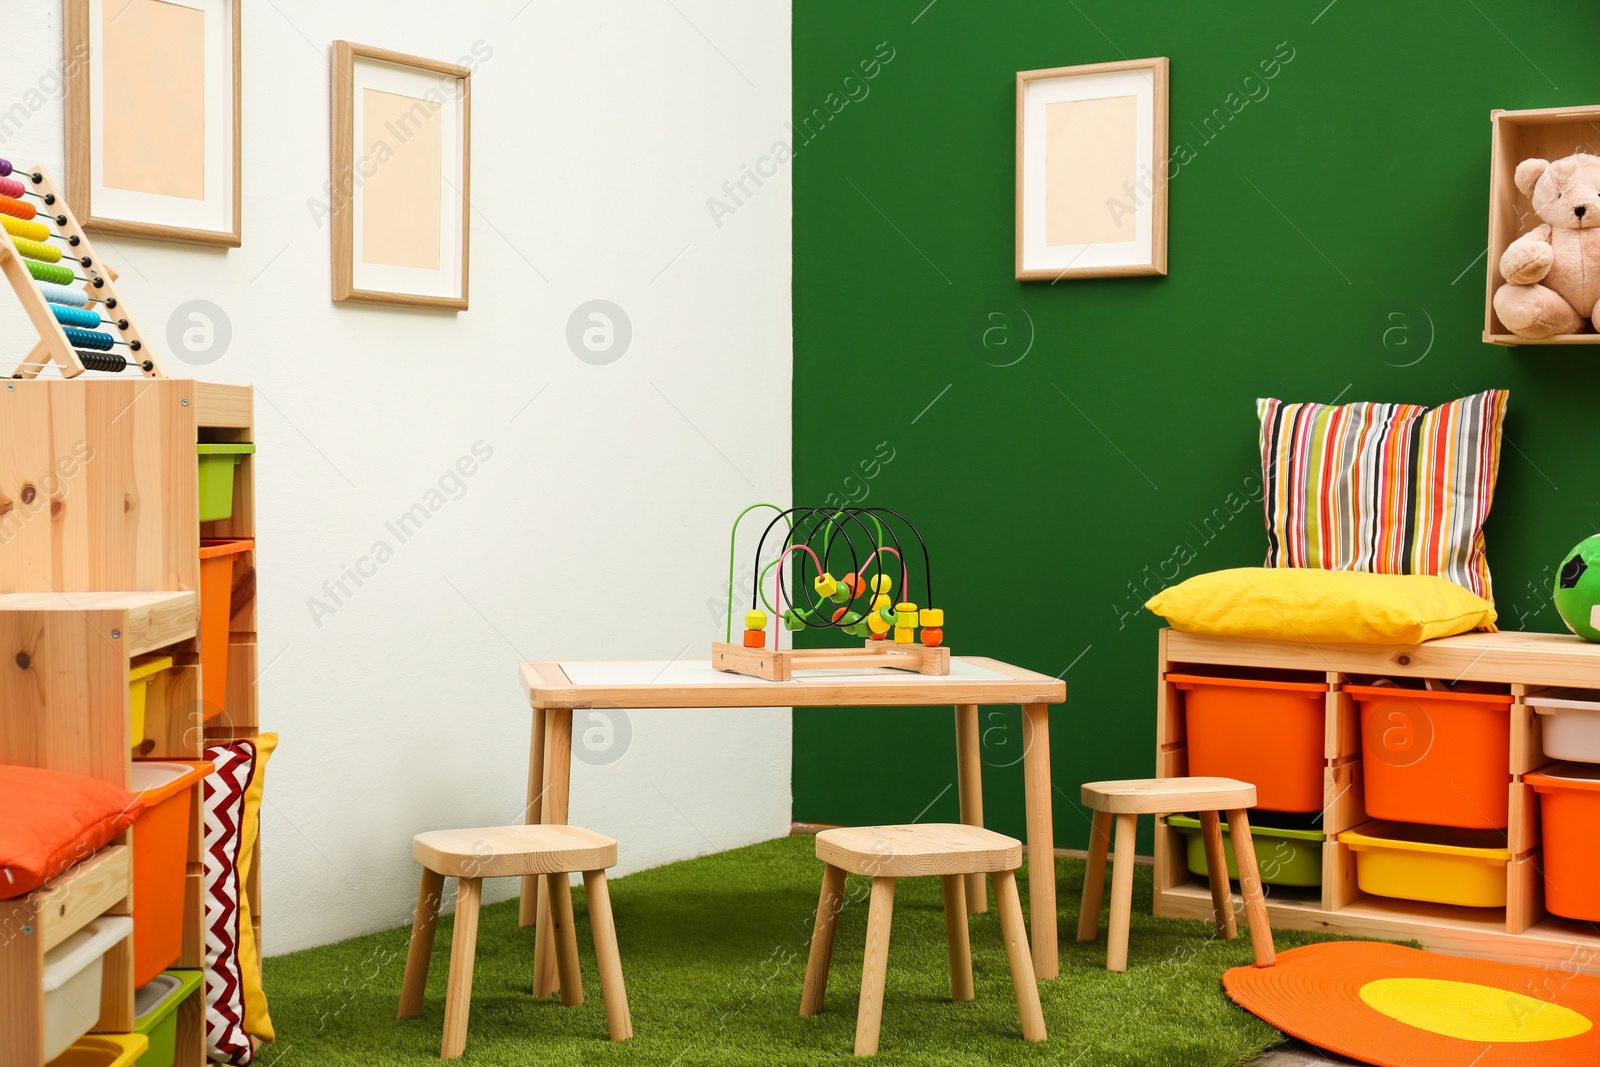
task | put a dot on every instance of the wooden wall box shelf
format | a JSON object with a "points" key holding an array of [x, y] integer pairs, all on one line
{"points": [[1524, 663], [99, 563], [780, 665], [1542, 133]]}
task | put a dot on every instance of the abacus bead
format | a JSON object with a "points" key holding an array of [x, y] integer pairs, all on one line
{"points": [[755, 620], [878, 635], [876, 623], [931, 617], [932, 636], [880, 601], [882, 583], [825, 584], [858, 629], [793, 621], [904, 635], [905, 608], [886, 613], [857, 584], [754, 639], [841, 594]]}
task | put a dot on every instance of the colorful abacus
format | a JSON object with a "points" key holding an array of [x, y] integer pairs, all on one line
{"points": [[827, 539], [70, 296]]}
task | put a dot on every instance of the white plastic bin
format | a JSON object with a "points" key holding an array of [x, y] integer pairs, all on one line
{"points": [[1571, 719], [72, 974]]}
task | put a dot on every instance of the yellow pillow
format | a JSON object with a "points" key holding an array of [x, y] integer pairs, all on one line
{"points": [[256, 1019], [1310, 605]]}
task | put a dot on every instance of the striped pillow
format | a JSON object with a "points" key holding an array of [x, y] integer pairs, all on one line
{"points": [[1384, 488]]}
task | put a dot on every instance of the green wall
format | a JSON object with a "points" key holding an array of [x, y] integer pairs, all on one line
{"points": [[1325, 244]]}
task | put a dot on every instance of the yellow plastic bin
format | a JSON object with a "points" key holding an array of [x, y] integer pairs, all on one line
{"points": [[103, 1050], [145, 668], [1442, 864]]}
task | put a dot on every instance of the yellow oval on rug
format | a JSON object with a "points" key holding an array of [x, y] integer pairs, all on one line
{"points": [[1470, 1011]]}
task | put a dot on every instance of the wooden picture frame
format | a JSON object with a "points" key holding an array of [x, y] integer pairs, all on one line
{"points": [[154, 156], [424, 107], [1092, 170]]}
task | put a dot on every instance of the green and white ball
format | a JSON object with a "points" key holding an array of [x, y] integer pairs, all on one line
{"points": [[1578, 589]]}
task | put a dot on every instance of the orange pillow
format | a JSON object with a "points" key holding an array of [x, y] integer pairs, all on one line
{"points": [[50, 820]]}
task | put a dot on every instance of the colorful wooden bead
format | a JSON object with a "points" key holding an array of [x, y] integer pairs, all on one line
{"points": [[876, 636], [886, 613], [880, 602], [932, 636], [794, 619], [877, 624], [825, 584], [755, 620], [754, 639], [931, 617], [904, 635], [857, 584], [905, 607], [882, 583]]}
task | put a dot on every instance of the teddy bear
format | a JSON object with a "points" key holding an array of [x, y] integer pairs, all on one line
{"points": [[1552, 273]]}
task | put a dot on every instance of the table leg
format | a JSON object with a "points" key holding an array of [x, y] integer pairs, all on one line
{"points": [[557, 789], [528, 907], [969, 784], [1041, 839]]}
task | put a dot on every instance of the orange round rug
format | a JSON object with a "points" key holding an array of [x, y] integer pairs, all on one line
{"points": [[1399, 1007]]}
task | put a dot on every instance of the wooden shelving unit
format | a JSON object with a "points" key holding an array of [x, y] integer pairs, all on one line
{"points": [[99, 563], [1521, 932]]}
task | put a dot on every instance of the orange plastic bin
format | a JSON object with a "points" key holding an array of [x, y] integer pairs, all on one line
{"points": [[216, 611], [1569, 810], [1436, 757], [161, 860], [1262, 731]]}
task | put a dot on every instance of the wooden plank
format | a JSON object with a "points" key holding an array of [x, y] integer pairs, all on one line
{"points": [[98, 486], [21, 979], [1504, 657], [116, 989], [191, 1037], [1344, 803], [1342, 721], [150, 620], [82, 894], [64, 693], [172, 725], [220, 405], [193, 953], [1339, 888], [548, 687], [1522, 831], [1524, 892], [1527, 739]]}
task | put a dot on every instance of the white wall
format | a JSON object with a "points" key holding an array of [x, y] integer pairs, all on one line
{"points": [[598, 526]]}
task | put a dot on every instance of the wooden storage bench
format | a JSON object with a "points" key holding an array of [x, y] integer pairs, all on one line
{"points": [[1524, 663]]}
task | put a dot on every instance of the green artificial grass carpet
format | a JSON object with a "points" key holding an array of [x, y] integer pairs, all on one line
{"points": [[714, 954]]}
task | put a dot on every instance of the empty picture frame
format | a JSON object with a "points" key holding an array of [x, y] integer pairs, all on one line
{"points": [[1092, 171], [152, 118], [402, 140]]}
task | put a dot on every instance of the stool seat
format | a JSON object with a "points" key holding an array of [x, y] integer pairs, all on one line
{"points": [[508, 851], [1168, 796], [1122, 802], [920, 850], [553, 851]]}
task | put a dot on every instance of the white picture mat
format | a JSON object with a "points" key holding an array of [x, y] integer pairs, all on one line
{"points": [[689, 672], [215, 212], [410, 81], [1038, 94]]}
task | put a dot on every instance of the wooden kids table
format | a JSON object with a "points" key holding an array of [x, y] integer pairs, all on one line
{"points": [[555, 688]]}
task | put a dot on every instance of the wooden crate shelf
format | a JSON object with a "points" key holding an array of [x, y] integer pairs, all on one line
{"points": [[99, 563], [1522, 663]]}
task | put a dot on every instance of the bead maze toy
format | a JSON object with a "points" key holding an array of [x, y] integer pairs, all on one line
{"points": [[68, 293], [827, 538]]}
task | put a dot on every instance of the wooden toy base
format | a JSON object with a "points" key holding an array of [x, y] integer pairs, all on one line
{"points": [[780, 666]]}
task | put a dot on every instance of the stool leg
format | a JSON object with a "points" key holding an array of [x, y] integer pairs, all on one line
{"points": [[607, 960], [422, 925], [1121, 894], [1217, 864], [1094, 878], [566, 938], [955, 935], [546, 952], [1009, 904], [822, 931], [874, 966], [463, 951], [1255, 901]]}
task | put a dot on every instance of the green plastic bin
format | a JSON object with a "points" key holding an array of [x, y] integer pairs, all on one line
{"points": [[1285, 856], [155, 1014], [217, 463]]}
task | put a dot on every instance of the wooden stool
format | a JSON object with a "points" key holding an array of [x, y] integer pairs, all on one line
{"points": [[509, 852], [1168, 796], [885, 853]]}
